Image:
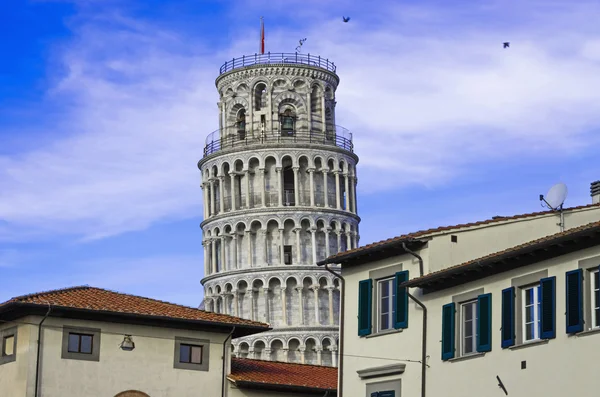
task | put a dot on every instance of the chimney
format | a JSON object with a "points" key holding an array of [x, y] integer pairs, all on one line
{"points": [[595, 192]]}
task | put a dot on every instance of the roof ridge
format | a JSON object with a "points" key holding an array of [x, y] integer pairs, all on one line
{"points": [[280, 362], [87, 286]]}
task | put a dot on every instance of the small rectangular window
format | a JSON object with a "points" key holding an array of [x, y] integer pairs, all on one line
{"points": [[190, 354], [454, 239], [531, 305], [468, 327], [387, 295], [8, 345], [80, 343], [287, 254], [595, 298]]}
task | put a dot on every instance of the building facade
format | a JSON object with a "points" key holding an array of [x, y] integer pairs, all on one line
{"points": [[513, 297], [279, 195], [94, 342]]}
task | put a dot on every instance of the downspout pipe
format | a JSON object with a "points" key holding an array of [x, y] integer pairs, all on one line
{"points": [[39, 351], [341, 344], [224, 361], [424, 341]]}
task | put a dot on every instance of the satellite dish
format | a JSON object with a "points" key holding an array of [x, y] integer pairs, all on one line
{"points": [[556, 196]]}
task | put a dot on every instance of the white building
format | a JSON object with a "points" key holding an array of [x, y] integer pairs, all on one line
{"points": [[279, 185], [511, 301]]}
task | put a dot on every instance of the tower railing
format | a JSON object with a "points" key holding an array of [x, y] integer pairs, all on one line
{"points": [[276, 58], [234, 137]]}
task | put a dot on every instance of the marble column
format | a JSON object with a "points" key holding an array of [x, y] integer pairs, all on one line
{"points": [[234, 253], [280, 184], [331, 312], [313, 237], [348, 240], [285, 352], [323, 119], [262, 187], [205, 198], [213, 255], [296, 186], [325, 190], [346, 190], [212, 197], [263, 238], [327, 230], [283, 305], [339, 241], [319, 356], [334, 355], [354, 240], [354, 184], [249, 238], [299, 289], [233, 187], [317, 314], [236, 302], [221, 194], [337, 190], [267, 312], [206, 258], [247, 177], [302, 351], [311, 172], [222, 258], [281, 261], [351, 196], [298, 230]]}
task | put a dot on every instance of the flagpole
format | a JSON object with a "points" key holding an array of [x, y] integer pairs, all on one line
{"points": [[262, 36]]}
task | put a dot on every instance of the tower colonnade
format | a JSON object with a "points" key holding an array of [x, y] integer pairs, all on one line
{"points": [[279, 194]]}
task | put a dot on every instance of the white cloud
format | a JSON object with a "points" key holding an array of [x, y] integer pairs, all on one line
{"points": [[427, 92]]}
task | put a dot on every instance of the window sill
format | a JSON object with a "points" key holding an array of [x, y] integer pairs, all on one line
{"points": [[528, 344], [588, 332], [467, 357], [386, 332]]}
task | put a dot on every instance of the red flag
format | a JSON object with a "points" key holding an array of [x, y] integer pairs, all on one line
{"points": [[262, 36]]}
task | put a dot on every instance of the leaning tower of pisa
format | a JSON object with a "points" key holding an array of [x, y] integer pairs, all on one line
{"points": [[279, 185]]}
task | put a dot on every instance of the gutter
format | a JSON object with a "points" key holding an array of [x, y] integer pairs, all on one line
{"points": [[341, 344], [246, 384], [39, 351], [224, 360], [424, 340]]}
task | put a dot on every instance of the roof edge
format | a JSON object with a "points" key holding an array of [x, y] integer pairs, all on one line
{"points": [[279, 387]]}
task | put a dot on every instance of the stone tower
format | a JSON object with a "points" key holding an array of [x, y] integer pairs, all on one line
{"points": [[279, 185]]}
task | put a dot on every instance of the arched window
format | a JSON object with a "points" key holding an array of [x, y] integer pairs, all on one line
{"points": [[260, 96], [241, 124], [288, 122]]}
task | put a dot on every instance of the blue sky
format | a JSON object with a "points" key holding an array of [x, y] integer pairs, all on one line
{"points": [[105, 105]]}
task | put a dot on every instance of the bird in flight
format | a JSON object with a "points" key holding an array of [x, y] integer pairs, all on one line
{"points": [[506, 44], [346, 19]]}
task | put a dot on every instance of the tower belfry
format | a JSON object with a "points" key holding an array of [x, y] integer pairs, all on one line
{"points": [[279, 184]]}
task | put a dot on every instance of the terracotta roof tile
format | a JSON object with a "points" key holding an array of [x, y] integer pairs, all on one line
{"points": [[283, 374], [97, 299], [426, 232], [502, 254]]}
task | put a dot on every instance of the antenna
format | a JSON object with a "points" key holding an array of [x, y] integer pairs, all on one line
{"points": [[555, 197], [554, 200]]}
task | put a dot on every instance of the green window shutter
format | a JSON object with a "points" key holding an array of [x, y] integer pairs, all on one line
{"points": [[508, 317], [401, 302], [448, 315], [548, 309], [365, 303], [574, 294], [484, 323]]}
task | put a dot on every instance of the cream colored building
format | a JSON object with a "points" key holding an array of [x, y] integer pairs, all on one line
{"points": [[95, 342], [479, 283]]}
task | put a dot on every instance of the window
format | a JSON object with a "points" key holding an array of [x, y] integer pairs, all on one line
{"points": [[80, 343], [532, 304], [468, 328], [385, 304], [382, 303], [287, 254], [8, 347], [467, 321], [192, 354], [595, 297]]}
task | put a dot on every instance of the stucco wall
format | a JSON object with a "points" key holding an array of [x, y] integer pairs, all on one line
{"points": [[148, 368], [14, 376], [563, 366]]}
